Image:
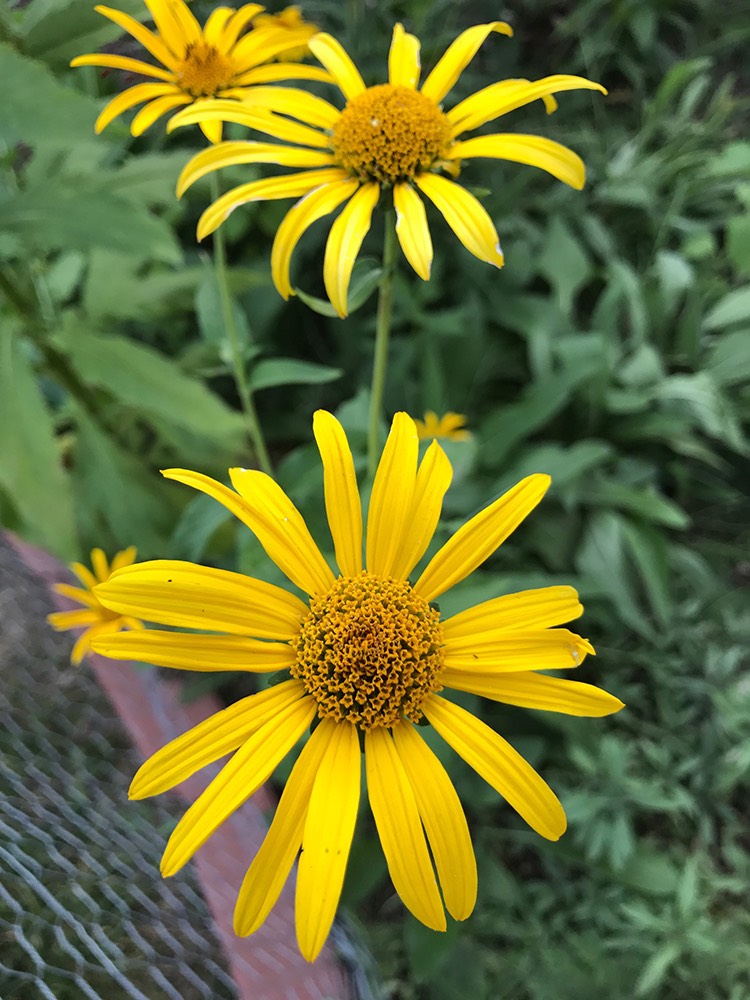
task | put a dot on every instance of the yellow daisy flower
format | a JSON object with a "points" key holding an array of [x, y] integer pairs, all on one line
{"points": [[392, 136], [93, 616], [368, 654], [290, 19], [450, 426], [221, 59]]}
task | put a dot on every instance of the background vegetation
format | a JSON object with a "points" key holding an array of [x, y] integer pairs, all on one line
{"points": [[612, 351]]}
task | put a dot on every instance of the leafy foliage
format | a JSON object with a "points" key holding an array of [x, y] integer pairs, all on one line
{"points": [[612, 351]]}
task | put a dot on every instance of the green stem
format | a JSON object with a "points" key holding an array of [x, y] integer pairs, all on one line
{"points": [[382, 336], [238, 363]]}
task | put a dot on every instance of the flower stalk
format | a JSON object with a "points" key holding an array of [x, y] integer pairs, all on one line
{"points": [[382, 338]]}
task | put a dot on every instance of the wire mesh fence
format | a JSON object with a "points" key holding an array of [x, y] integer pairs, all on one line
{"points": [[83, 911]]}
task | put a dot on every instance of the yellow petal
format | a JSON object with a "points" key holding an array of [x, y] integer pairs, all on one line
{"points": [[213, 131], [155, 109], [83, 644], [282, 71], [126, 63], [457, 57], [542, 607], [464, 214], [297, 221], [129, 98], [392, 496], [297, 103], [84, 574], [261, 45], [344, 241], [433, 479], [151, 42], [252, 764], [517, 649], [281, 530], [100, 565], [412, 230], [530, 690], [238, 22], [270, 869], [228, 154], [125, 558], [443, 818], [327, 837], [502, 767], [507, 95], [176, 23], [533, 150], [289, 186], [189, 596], [403, 59], [78, 594], [213, 29], [341, 493], [61, 621], [399, 825], [212, 739], [476, 540], [328, 51], [193, 651]]}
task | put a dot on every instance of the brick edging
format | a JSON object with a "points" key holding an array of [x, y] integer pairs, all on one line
{"points": [[267, 965]]}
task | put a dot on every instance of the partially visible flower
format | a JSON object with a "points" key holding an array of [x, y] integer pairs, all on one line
{"points": [[369, 655], [290, 19], [220, 60], [391, 137], [450, 427], [93, 616]]}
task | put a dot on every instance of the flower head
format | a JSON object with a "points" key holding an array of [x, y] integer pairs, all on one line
{"points": [[394, 136], [449, 427], [93, 616], [221, 60], [368, 653]]}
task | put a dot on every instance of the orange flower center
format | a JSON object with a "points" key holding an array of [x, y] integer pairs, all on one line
{"points": [[204, 71], [389, 134], [370, 651]]}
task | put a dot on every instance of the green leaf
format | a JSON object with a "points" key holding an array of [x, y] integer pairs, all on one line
{"points": [[365, 279], [269, 372], [152, 384], [210, 312], [648, 549], [31, 471], [37, 109], [75, 215], [729, 359], [199, 521], [644, 503], [738, 243], [564, 263], [656, 969], [117, 286], [733, 308], [116, 494]]}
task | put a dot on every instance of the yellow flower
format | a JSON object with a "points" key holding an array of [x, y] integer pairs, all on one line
{"points": [[368, 652], [450, 426], [96, 619], [290, 19], [218, 60], [391, 136]]}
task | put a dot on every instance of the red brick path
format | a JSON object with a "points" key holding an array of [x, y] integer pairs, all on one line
{"points": [[266, 966]]}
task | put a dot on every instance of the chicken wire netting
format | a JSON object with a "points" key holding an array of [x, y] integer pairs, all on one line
{"points": [[83, 910]]}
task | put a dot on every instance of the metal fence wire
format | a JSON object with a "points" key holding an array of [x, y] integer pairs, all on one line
{"points": [[83, 910]]}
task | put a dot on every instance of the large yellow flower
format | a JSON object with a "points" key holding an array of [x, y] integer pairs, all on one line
{"points": [[368, 654], [390, 136], [93, 617], [220, 60]]}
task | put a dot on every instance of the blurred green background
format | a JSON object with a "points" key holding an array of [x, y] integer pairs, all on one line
{"points": [[612, 351]]}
